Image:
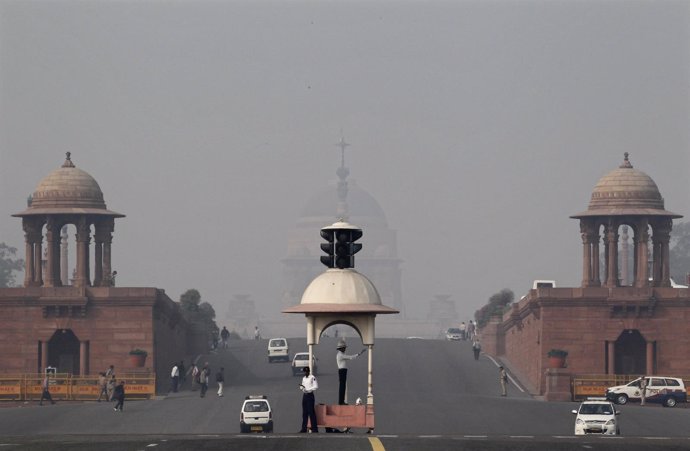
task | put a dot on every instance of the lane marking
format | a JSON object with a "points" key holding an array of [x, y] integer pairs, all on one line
{"points": [[376, 444], [475, 436], [151, 445], [521, 436]]}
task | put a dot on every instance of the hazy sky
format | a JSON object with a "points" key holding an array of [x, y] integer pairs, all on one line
{"points": [[479, 126]]}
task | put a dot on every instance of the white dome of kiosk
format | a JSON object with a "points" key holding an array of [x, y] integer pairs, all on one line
{"points": [[343, 291], [341, 286]]}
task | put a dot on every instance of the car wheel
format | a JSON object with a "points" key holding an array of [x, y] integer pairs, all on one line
{"points": [[618, 432], [244, 429], [670, 402], [270, 360], [622, 399]]}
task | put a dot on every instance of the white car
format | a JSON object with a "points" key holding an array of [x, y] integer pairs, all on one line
{"points": [[596, 416], [278, 350], [256, 414], [668, 391], [300, 360], [454, 334]]}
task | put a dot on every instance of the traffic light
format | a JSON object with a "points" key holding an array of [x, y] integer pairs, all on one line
{"points": [[341, 247], [328, 248]]}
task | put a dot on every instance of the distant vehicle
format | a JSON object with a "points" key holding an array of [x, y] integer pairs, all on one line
{"points": [[278, 350], [543, 284], [300, 360], [596, 416], [256, 414], [668, 391], [453, 334]]}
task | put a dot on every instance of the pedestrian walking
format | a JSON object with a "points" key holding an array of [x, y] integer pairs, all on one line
{"points": [[476, 348], [102, 387], [203, 379], [45, 392], [341, 360], [257, 334], [174, 378], [224, 335], [503, 378], [119, 396], [220, 379], [194, 371], [463, 331], [308, 386], [110, 387]]}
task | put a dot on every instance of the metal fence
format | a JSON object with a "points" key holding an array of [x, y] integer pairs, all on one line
{"points": [[68, 387]]}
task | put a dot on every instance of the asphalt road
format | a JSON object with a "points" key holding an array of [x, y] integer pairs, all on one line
{"points": [[429, 394]]}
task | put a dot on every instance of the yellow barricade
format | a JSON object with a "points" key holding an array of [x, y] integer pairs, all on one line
{"points": [[29, 387]]}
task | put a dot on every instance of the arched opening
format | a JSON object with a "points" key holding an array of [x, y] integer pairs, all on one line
{"points": [[63, 351], [630, 353]]}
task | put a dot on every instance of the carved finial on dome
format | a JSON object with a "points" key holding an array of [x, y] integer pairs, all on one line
{"points": [[68, 161], [626, 162]]}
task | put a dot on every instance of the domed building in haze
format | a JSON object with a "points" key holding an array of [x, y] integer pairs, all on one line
{"points": [[378, 259]]}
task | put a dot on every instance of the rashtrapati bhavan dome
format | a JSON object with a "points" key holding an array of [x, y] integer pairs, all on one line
{"points": [[379, 257]]}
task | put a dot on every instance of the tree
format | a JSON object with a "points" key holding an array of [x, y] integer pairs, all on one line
{"points": [[680, 252], [496, 306], [8, 265], [190, 299]]}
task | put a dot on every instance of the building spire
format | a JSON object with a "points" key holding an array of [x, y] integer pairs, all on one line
{"points": [[342, 172]]}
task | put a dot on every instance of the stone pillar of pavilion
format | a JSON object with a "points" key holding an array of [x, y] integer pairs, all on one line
{"points": [[626, 197], [67, 195]]}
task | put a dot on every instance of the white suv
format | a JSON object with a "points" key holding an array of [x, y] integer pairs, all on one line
{"points": [[278, 350], [596, 416], [660, 389], [256, 415]]}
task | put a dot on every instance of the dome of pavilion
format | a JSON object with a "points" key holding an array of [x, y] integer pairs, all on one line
{"points": [[626, 191], [67, 190], [363, 207], [338, 290]]}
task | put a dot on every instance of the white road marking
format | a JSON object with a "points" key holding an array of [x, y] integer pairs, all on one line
{"points": [[475, 436], [151, 445], [521, 436]]}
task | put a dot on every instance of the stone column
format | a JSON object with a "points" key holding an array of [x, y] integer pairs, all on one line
{"points": [[29, 253], [642, 239], [107, 237], [370, 372], [662, 238], [83, 239], [586, 254], [611, 255], [44, 355], [38, 260], [83, 356], [52, 237], [596, 270], [64, 261], [650, 358], [611, 364], [625, 281]]}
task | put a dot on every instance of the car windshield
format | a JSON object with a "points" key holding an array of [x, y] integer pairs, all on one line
{"points": [[596, 409], [301, 357], [277, 343], [256, 406], [453, 331]]}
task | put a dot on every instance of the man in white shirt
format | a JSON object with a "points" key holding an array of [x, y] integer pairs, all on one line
{"points": [[341, 359], [308, 387], [174, 378]]}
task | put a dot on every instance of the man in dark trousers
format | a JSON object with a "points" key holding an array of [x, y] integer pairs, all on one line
{"points": [[308, 387], [119, 396], [45, 393], [341, 359]]}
